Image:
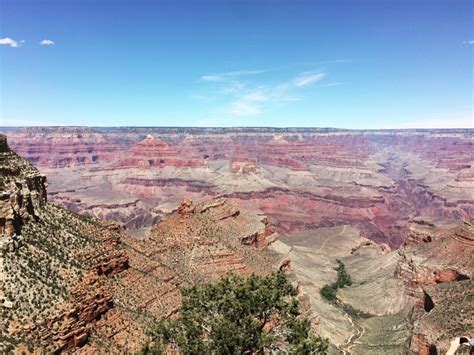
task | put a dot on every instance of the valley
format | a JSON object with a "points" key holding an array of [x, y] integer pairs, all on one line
{"points": [[188, 205], [300, 178]]}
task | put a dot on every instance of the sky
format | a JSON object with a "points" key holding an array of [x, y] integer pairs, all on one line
{"points": [[322, 63]]}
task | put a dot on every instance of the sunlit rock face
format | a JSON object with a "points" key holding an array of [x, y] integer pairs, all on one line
{"points": [[70, 283], [300, 178], [395, 207], [22, 191]]}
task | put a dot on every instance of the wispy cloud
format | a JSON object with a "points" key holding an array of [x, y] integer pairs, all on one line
{"points": [[7, 41], [244, 108], [256, 96], [307, 78], [468, 42], [253, 100], [247, 93], [47, 42], [230, 75]]}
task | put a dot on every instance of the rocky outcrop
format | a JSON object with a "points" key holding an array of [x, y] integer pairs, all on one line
{"points": [[190, 220], [76, 284], [300, 178], [383, 185], [261, 238], [198, 242], [153, 152], [72, 327], [438, 273], [22, 191]]}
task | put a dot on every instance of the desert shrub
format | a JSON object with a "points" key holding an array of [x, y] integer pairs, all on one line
{"points": [[329, 292], [343, 279], [238, 315]]}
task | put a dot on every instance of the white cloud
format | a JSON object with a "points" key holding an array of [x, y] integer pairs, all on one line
{"points": [[237, 97], [468, 42], [307, 78], [256, 96], [47, 42], [244, 108], [9, 42], [229, 75], [232, 88]]}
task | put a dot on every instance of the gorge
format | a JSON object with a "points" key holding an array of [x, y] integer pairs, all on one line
{"points": [[396, 207]]}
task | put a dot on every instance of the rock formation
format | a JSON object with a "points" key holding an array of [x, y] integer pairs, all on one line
{"points": [[386, 203], [22, 188], [439, 273], [152, 152], [299, 178], [74, 283]]}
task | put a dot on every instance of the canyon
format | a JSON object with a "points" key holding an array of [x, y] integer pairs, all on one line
{"points": [[186, 205], [74, 283], [300, 179]]}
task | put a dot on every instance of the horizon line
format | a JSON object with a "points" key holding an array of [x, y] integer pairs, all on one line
{"points": [[251, 127]]}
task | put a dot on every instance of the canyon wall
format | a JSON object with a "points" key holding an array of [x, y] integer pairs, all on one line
{"points": [[330, 195], [72, 283], [300, 178], [22, 189]]}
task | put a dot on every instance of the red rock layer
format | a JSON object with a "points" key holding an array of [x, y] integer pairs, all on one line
{"points": [[300, 178], [450, 150], [153, 152], [63, 147], [438, 273], [131, 283], [22, 191]]}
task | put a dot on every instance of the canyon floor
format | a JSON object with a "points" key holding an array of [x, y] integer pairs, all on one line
{"points": [[394, 206]]}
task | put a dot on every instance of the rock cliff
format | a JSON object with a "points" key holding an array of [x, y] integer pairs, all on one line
{"points": [[299, 178], [73, 283], [438, 272], [22, 191]]}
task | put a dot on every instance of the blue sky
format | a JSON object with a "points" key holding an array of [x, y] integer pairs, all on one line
{"points": [[330, 63]]}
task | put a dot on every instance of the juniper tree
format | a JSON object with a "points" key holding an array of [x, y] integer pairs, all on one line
{"points": [[238, 315]]}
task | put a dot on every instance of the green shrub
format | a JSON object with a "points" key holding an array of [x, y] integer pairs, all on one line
{"points": [[238, 315], [343, 279]]}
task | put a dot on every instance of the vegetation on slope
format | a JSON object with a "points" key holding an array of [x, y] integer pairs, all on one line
{"points": [[343, 280], [238, 315], [39, 274]]}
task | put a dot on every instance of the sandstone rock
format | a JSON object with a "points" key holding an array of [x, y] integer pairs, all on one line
{"points": [[300, 178], [186, 207], [23, 191], [439, 275]]}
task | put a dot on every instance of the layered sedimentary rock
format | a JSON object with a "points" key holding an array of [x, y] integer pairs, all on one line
{"points": [[152, 152], [300, 178], [332, 194], [22, 189], [439, 273], [64, 147], [411, 300], [79, 284]]}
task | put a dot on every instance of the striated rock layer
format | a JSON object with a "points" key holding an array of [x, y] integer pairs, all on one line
{"points": [[22, 189], [439, 273], [102, 290], [72, 281], [300, 178], [77, 284], [411, 300]]}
